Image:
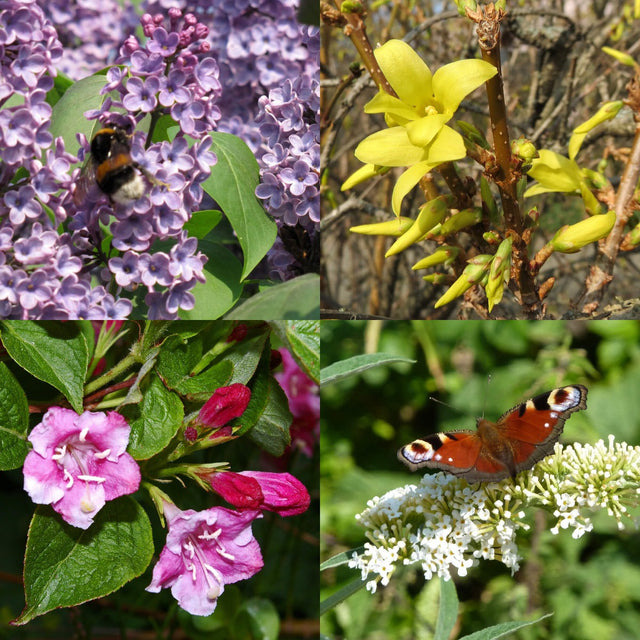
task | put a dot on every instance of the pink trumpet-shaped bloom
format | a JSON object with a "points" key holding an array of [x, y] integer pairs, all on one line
{"points": [[279, 492], [78, 462], [205, 550]]}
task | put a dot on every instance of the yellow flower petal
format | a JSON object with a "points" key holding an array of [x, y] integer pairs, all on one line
{"points": [[421, 132], [555, 172], [389, 148], [406, 72], [447, 146], [456, 80], [406, 182], [382, 102]]}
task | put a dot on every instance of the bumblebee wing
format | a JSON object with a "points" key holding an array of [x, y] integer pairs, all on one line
{"points": [[86, 184]]}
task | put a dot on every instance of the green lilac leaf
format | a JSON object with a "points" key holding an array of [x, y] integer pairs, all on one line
{"points": [[222, 288], [357, 364], [232, 185], [296, 299], [66, 566], [14, 421], [55, 352]]}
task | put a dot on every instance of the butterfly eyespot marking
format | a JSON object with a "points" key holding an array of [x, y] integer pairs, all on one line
{"points": [[521, 437]]}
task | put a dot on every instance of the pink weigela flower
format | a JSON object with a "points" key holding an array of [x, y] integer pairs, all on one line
{"points": [[304, 403], [279, 492], [78, 462], [205, 550]]}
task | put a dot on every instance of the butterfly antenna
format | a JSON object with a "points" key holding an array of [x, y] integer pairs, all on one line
{"points": [[486, 395], [444, 404]]}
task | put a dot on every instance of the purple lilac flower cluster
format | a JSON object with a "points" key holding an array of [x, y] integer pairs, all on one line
{"points": [[45, 274], [40, 277], [289, 163], [108, 23], [271, 96], [172, 74]]}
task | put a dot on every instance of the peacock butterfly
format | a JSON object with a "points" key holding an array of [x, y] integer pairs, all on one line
{"points": [[523, 436]]}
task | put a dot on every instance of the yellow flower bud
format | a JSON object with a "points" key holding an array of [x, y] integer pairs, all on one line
{"points": [[524, 149], [429, 216], [634, 236], [436, 278], [500, 269], [620, 57], [461, 220], [607, 111], [444, 254], [472, 274], [572, 238], [362, 174], [395, 227]]}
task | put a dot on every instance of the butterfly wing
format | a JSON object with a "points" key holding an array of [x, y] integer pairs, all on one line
{"points": [[532, 428], [455, 452]]}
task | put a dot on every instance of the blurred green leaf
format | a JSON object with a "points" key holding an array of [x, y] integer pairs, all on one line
{"points": [[357, 364]]}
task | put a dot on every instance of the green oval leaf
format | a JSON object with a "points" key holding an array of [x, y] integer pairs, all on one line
{"points": [[65, 566], [56, 352], [232, 185], [154, 421], [14, 421], [358, 364], [296, 299], [302, 337]]}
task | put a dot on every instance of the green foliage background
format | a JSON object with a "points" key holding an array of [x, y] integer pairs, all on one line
{"points": [[591, 585]]}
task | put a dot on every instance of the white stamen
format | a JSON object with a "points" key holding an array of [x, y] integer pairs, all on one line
{"points": [[91, 478], [190, 548], [83, 434], [210, 536], [69, 478], [59, 452], [102, 455], [224, 554]]}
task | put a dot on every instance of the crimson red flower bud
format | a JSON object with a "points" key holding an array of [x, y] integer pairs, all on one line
{"points": [[237, 489], [279, 492], [191, 434], [238, 334], [224, 405], [276, 359]]}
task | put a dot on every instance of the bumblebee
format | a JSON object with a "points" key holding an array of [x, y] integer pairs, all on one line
{"points": [[111, 167]]}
